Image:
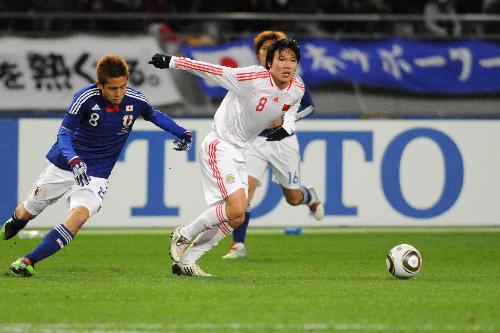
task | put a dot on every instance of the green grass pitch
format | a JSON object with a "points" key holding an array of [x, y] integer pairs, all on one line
{"points": [[331, 280]]}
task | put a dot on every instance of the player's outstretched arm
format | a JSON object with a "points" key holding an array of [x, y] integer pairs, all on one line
{"points": [[183, 140], [232, 79], [160, 60]]}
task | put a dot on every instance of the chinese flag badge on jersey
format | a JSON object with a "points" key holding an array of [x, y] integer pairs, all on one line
{"points": [[285, 107]]}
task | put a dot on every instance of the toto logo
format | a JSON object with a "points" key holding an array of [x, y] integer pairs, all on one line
{"points": [[389, 172], [453, 165]]}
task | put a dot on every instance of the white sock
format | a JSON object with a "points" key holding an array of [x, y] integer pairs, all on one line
{"points": [[207, 220], [205, 242]]}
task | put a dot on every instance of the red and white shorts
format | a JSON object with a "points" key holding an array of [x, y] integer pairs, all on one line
{"points": [[223, 169]]}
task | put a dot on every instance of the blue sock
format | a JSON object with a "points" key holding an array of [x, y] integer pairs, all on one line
{"points": [[307, 197], [240, 233], [55, 240]]}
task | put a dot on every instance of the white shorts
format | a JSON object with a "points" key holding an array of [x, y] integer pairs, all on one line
{"points": [[223, 169], [53, 183], [283, 156]]}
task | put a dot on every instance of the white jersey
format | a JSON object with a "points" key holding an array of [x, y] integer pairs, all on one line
{"points": [[253, 100]]}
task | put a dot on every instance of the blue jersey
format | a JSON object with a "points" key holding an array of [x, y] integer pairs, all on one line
{"points": [[96, 130]]}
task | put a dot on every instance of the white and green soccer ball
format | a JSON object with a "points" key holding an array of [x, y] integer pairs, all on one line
{"points": [[403, 261]]}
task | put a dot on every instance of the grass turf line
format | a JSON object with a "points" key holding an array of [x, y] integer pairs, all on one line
{"points": [[312, 282]]}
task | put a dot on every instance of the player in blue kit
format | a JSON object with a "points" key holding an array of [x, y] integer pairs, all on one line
{"points": [[95, 127]]}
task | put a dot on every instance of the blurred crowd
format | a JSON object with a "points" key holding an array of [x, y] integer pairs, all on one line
{"points": [[429, 9]]}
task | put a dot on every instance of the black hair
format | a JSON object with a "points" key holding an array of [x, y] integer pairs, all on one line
{"points": [[279, 45]]}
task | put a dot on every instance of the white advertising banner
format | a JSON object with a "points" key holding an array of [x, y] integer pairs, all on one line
{"points": [[45, 73], [368, 173]]}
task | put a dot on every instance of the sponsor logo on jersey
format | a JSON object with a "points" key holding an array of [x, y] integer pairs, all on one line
{"points": [[129, 108], [230, 179], [286, 107], [96, 108], [276, 99]]}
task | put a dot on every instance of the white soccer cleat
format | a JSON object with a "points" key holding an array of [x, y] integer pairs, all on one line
{"points": [[236, 251], [316, 206], [189, 269], [178, 245]]}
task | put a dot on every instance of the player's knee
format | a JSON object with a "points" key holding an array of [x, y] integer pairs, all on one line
{"points": [[22, 214], [80, 213], [235, 223], [76, 219], [236, 210]]}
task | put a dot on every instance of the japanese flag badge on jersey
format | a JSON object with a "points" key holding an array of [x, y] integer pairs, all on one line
{"points": [[129, 108]]}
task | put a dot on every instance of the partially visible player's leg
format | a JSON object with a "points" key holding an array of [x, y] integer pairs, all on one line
{"points": [[181, 236], [286, 168], [237, 246], [305, 196], [201, 245], [225, 215], [239, 234], [83, 203], [56, 239], [257, 165], [206, 240], [50, 185], [20, 217], [315, 205], [224, 180]]}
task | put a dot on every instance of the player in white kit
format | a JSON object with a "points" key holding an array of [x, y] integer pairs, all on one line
{"points": [[257, 96], [282, 156]]}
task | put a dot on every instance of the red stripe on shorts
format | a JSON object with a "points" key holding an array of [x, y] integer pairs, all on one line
{"points": [[212, 161]]}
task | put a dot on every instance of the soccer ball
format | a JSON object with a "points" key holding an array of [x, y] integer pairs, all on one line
{"points": [[403, 261]]}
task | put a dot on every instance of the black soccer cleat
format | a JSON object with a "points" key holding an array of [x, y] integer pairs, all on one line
{"points": [[12, 227]]}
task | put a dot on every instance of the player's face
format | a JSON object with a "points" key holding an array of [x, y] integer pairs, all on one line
{"points": [[263, 52], [114, 90], [283, 67]]}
